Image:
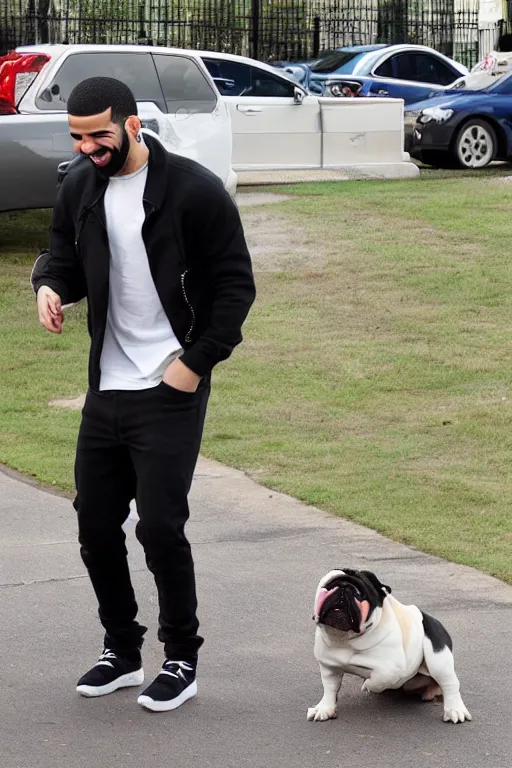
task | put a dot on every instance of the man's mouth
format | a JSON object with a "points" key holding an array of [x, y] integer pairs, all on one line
{"points": [[101, 158]]}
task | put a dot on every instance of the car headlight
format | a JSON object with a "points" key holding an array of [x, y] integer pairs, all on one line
{"points": [[435, 114], [411, 116]]}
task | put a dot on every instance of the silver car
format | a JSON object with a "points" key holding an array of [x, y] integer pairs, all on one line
{"points": [[176, 96]]}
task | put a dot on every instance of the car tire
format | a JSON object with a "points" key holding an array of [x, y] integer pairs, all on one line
{"points": [[475, 145], [437, 159]]}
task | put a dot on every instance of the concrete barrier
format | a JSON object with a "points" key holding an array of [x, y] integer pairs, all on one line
{"points": [[362, 138], [362, 131]]}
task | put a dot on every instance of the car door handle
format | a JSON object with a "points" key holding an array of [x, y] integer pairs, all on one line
{"points": [[382, 92], [249, 110]]}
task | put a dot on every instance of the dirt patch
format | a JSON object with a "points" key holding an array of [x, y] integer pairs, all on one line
{"points": [[73, 403], [277, 244], [250, 199]]}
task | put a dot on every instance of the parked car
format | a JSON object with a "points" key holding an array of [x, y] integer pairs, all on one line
{"points": [[408, 72], [468, 127], [176, 96], [270, 131], [229, 112], [278, 124]]}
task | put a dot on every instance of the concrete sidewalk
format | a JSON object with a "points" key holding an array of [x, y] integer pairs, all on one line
{"points": [[259, 556], [360, 172]]}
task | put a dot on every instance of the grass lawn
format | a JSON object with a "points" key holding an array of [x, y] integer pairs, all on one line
{"points": [[375, 384]]}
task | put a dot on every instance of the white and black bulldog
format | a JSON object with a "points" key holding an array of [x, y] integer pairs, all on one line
{"points": [[363, 630]]}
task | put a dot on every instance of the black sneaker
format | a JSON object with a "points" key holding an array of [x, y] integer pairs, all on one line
{"points": [[111, 671], [175, 684]]}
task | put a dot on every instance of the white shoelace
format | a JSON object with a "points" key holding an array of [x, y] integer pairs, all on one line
{"points": [[103, 659], [182, 666]]}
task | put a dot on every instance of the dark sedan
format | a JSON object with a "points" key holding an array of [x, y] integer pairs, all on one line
{"points": [[468, 127]]}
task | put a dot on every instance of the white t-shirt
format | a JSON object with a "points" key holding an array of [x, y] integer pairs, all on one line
{"points": [[139, 341]]}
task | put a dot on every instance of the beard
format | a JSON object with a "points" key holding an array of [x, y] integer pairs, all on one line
{"points": [[117, 160]]}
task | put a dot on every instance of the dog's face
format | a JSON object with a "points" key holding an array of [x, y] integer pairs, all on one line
{"points": [[349, 601]]}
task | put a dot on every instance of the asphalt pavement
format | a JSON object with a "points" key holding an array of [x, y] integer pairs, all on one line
{"points": [[259, 556]]}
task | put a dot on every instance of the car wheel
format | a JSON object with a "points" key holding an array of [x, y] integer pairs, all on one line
{"points": [[475, 145], [437, 159]]}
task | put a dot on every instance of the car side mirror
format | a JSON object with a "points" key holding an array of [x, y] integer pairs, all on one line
{"points": [[298, 96]]}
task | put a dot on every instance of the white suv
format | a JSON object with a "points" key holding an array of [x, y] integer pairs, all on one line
{"points": [[175, 93]]}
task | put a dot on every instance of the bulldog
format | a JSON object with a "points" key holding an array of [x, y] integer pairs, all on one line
{"points": [[363, 630]]}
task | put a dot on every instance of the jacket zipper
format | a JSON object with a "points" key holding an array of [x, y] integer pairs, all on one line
{"points": [[188, 337], [80, 227]]}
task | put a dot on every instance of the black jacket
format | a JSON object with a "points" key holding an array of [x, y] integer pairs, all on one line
{"points": [[196, 250]]}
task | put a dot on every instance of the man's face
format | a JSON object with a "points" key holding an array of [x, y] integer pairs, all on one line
{"points": [[104, 142]]}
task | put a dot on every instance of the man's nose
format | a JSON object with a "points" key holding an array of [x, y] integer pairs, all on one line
{"points": [[88, 146]]}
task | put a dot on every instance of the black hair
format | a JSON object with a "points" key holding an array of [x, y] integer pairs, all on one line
{"points": [[96, 94]]}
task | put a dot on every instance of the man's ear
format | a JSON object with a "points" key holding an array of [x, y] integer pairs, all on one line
{"points": [[133, 126]]}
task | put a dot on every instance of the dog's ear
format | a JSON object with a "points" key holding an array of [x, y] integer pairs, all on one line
{"points": [[372, 578]]}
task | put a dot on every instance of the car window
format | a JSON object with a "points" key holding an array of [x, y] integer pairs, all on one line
{"points": [[236, 79], [403, 65], [386, 68], [423, 68], [430, 69], [265, 84], [237, 76], [337, 61], [135, 69], [185, 87]]}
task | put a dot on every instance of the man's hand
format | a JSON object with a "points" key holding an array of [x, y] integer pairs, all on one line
{"points": [[177, 375], [49, 307]]}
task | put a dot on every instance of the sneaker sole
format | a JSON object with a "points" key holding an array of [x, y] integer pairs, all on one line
{"points": [[166, 706], [125, 681]]}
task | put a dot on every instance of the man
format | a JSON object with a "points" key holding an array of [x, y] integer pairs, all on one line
{"points": [[156, 245]]}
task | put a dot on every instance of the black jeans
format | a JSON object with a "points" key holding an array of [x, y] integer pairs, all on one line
{"points": [[140, 445]]}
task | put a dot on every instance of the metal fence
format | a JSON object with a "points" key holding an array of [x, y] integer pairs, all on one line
{"points": [[264, 29]]}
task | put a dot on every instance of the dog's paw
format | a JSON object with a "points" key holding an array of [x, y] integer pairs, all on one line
{"points": [[366, 687], [456, 712], [320, 713]]}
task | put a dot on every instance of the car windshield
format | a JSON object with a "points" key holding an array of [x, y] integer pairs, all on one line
{"points": [[338, 61], [478, 81]]}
